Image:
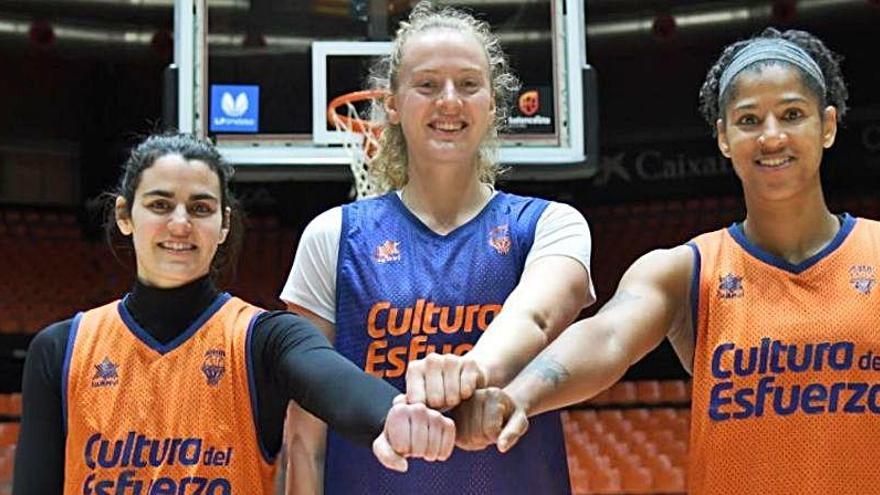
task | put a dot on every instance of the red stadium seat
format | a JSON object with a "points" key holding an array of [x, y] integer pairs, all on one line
{"points": [[7, 455], [8, 434], [605, 481], [675, 391], [624, 393], [645, 450], [638, 417], [648, 392], [15, 404], [671, 480], [580, 478], [637, 479], [33, 256]]}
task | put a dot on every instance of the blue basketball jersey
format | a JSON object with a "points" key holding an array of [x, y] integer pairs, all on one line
{"points": [[404, 291]]}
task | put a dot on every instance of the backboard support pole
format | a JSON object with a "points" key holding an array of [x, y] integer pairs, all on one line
{"points": [[184, 46], [377, 28]]}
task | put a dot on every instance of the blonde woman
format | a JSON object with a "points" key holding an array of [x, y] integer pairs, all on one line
{"points": [[438, 263]]}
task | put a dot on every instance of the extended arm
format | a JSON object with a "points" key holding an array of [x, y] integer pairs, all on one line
{"points": [[552, 289], [359, 406], [305, 436], [651, 302], [312, 284], [319, 379], [549, 296]]}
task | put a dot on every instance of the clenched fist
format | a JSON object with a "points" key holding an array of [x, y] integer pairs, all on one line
{"points": [[490, 416], [413, 430], [442, 381]]}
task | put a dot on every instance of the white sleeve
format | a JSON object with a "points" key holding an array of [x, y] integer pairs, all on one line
{"points": [[563, 231], [312, 280]]}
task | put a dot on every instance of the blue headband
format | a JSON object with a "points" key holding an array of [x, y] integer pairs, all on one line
{"points": [[770, 49]]}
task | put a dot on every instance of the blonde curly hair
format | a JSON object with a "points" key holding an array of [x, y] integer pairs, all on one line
{"points": [[388, 169]]}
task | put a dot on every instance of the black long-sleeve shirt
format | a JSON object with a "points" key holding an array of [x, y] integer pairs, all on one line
{"points": [[292, 361]]}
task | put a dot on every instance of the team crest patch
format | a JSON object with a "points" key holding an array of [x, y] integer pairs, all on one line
{"points": [[213, 366], [730, 286], [106, 374], [863, 278], [499, 239], [387, 252]]}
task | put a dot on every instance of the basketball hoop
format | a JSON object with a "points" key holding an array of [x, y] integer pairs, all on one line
{"points": [[360, 136]]}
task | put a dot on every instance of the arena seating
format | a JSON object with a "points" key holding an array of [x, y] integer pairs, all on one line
{"points": [[631, 438], [10, 410], [50, 271], [38, 249], [622, 233]]}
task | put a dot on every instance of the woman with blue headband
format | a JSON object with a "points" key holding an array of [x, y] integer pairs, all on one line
{"points": [[776, 317]]}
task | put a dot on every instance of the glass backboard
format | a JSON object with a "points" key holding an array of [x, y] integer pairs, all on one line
{"points": [[257, 75]]}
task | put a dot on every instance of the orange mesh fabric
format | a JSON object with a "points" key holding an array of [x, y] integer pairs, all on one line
{"points": [[786, 396], [150, 419]]}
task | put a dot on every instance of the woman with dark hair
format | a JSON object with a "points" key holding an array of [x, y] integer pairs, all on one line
{"points": [[182, 388], [776, 317]]}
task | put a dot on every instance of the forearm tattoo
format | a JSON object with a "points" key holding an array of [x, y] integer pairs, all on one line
{"points": [[618, 299], [547, 369]]}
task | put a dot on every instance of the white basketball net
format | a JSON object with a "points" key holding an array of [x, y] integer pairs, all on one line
{"points": [[360, 146]]}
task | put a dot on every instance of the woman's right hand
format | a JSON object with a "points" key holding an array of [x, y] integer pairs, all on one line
{"points": [[490, 416], [413, 430], [443, 381]]}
